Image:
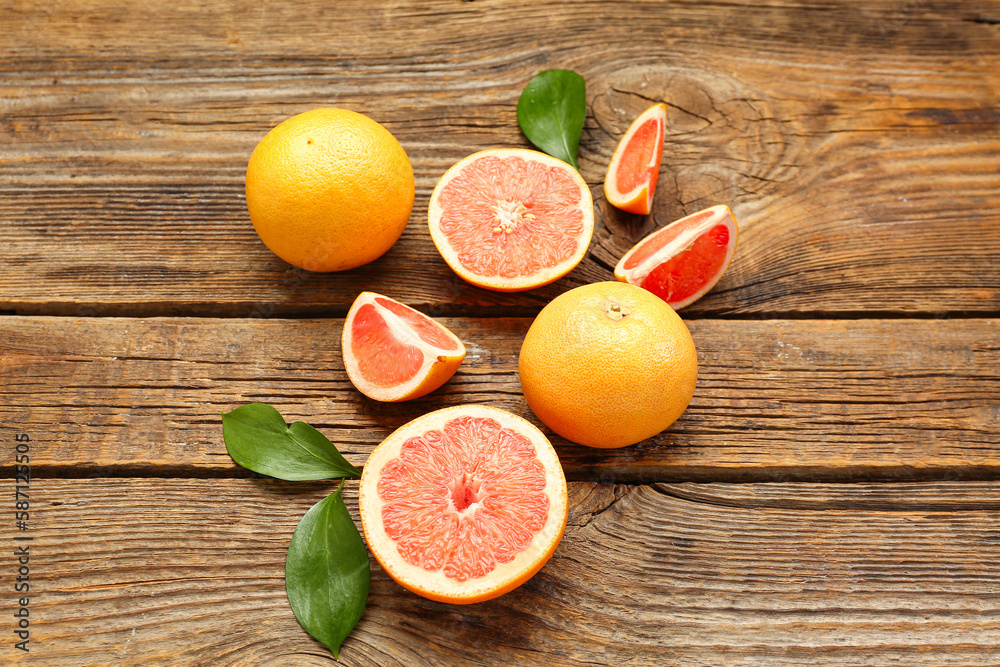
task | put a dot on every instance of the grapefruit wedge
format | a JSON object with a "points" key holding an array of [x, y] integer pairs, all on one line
{"points": [[393, 352], [463, 504], [511, 219], [681, 262], [635, 165]]}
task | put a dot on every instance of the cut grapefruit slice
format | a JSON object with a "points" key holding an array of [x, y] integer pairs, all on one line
{"points": [[393, 352], [511, 219], [682, 261], [635, 165], [463, 504]]}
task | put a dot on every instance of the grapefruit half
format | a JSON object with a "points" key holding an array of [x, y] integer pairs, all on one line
{"points": [[463, 504], [681, 262], [511, 219], [635, 166], [393, 352]]}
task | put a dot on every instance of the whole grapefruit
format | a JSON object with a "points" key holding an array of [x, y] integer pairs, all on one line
{"points": [[329, 190], [608, 365]]}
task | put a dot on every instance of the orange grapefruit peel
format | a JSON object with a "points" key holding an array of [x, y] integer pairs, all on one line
{"points": [[608, 365], [329, 190]]}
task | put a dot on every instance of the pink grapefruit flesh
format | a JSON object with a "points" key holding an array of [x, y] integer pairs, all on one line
{"points": [[463, 504], [511, 219], [635, 166], [393, 352], [683, 261]]}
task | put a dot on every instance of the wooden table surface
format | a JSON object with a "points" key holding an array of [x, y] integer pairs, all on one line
{"points": [[831, 496]]}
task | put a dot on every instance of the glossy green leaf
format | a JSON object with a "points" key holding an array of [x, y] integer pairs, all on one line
{"points": [[258, 439], [327, 572], [551, 112]]}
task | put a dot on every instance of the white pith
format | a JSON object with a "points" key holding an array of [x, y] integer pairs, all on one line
{"points": [[402, 331], [508, 214], [720, 214], [543, 277], [435, 583], [614, 195]]}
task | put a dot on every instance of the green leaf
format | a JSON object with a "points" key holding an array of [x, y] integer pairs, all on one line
{"points": [[551, 112], [258, 438], [327, 573]]}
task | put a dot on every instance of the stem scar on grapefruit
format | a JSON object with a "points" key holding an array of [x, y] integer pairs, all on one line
{"points": [[681, 262], [608, 365], [511, 219], [635, 166], [463, 504], [393, 352]]}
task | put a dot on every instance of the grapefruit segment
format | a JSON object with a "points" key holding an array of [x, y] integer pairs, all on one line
{"points": [[393, 352], [511, 219], [463, 504], [681, 262], [635, 166]]}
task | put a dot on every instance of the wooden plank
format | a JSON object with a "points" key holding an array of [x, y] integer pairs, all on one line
{"points": [[861, 161], [169, 572], [776, 400]]}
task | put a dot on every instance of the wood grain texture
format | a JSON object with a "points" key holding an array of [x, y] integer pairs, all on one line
{"points": [[776, 400], [190, 572], [857, 145]]}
